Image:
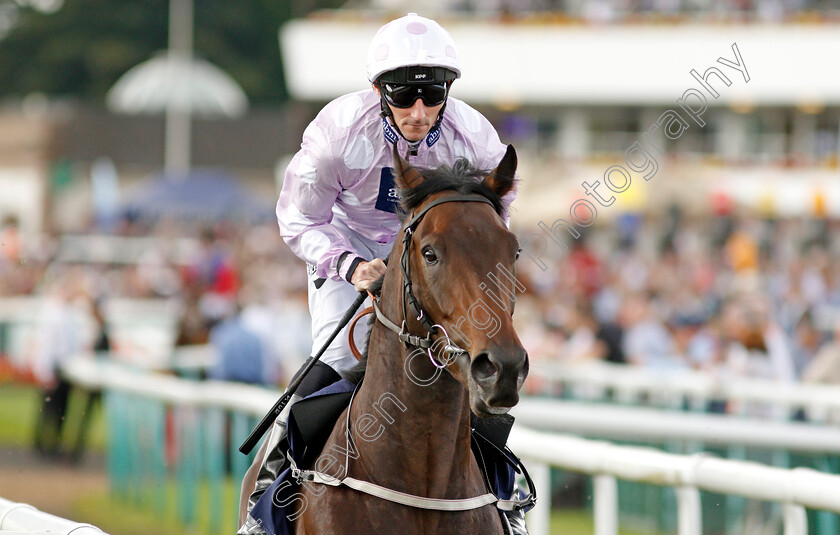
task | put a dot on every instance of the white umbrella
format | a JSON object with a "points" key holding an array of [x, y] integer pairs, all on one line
{"points": [[179, 85], [171, 82]]}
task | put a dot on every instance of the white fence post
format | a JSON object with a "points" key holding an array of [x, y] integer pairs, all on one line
{"points": [[539, 518], [689, 511], [606, 504], [796, 521]]}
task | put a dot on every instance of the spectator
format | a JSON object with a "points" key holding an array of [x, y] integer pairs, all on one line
{"points": [[101, 348], [646, 341], [806, 342], [61, 338], [10, 241], [758, 349], [241, 353], [825, 367]]}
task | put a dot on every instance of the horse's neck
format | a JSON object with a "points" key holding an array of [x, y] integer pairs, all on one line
{"points": [[426, 436]]}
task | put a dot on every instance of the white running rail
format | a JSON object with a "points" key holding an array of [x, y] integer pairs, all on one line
{"points": [[671, 387], [23, 519], [796, 489], [657, 426]]}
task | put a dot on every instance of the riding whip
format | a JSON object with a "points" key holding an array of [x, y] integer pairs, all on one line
{"points": [[281, 403]]}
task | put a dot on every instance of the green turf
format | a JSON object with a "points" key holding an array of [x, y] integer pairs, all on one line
{"points": [[579, 522], [158, 507], [117, 517], [19, 410]]}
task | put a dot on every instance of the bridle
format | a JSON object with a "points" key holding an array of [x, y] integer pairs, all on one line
{"points": [[409, 301]]}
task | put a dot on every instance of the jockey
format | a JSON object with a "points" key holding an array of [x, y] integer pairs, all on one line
{"points": [[337, 207]]}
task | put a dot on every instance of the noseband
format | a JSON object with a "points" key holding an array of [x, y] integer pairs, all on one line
{"points": [[409, 300]]}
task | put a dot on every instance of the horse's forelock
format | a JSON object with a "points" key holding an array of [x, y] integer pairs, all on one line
{"points": [[463, 177]]}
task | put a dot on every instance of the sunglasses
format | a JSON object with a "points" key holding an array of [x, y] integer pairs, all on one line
{"points": [[404, 96]]}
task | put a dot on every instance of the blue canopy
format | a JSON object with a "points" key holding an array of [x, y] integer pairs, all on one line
{"points": [[207, 194]]}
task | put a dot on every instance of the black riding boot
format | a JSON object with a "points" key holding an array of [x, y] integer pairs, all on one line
{"points": [[489, 439], [274, 461], [272, 465]]}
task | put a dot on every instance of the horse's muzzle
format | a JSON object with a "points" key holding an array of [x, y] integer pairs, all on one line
{"points": [[499, 375]]}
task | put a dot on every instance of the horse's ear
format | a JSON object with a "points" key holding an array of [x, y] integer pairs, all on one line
{"points": [[501, 179], [405, 176]]}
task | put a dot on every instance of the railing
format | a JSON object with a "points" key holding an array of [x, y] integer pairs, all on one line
{"points": [[795, 489], [172, 443], [23, 519], [143, 408], [617, 422], [784, 444], [694, 389]]}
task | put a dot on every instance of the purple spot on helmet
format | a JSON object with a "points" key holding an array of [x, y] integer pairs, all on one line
{"points": [[382, 51], [450, 51], [416, 28]]}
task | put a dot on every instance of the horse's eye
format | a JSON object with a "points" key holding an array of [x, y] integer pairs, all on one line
{"points": [[516, 256], [430, 256]]}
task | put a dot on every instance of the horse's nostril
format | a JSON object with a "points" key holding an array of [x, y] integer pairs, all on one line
{"points": [[483, 369], [523, 371]]}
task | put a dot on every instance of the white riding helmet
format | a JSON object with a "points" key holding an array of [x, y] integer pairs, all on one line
{"points": [[412, 41]]}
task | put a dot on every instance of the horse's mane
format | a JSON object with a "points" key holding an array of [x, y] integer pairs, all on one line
{"points": [[464, 178]]}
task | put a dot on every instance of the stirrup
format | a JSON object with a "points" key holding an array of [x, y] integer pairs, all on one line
{"points": [[515, 522]]}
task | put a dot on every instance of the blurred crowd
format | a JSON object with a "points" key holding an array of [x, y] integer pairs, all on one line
{"points": [[737, 296], [600, 11], [235, 290], [732, 294]]}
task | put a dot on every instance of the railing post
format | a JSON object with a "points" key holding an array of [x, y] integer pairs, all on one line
{"points": [[215, 463], [606, 504], [539, 518], [689, 511], [826, 522], [796, 520]]}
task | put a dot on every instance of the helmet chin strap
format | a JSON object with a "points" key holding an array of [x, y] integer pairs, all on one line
{"points": [[412, 145]]}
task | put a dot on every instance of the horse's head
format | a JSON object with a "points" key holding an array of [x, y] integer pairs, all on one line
{"points": [[460, 263]]}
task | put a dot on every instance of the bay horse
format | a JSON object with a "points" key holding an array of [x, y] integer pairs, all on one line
{"points": [[407, 432]]}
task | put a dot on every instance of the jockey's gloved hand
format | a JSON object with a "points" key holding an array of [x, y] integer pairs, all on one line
{"points": [[366, 273]]}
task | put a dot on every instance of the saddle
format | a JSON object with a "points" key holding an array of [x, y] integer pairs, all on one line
{"points": [[313, 418], [310, 424]]}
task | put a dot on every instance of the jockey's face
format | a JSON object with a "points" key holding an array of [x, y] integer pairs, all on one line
{"points": [[416, 121]]}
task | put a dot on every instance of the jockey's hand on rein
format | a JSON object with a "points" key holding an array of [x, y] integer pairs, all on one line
{"points": [[366, 273]]}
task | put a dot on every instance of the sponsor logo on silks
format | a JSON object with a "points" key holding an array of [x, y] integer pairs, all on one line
{"points": [[432, 137], [390, 134], [388, 199], [310, 269]]}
